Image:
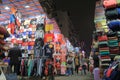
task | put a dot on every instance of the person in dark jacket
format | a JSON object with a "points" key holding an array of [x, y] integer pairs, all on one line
{"points": [[96, 59], [14, 54]]}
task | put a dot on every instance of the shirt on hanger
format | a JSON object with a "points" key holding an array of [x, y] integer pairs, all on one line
{"points": [[48, 37], [49, 48]]}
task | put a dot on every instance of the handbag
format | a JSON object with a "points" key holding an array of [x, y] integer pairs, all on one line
{"points": [[2, 75], [11, 76]]}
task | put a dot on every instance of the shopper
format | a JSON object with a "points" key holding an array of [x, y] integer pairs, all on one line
{"points": [[49, 69], [96, 70], [96, 60], [14, 54], [91, 62], [96, 73], [77, 63], [83, 64], [69, 65]]}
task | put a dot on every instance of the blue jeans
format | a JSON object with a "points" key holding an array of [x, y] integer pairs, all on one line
{"points": [[69, 72]]}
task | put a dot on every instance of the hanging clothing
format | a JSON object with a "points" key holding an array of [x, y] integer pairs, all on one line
{"points": [[48, 37], [38, 47], [38, 52], [49, 48], [40, 27], [12, 18], [39, 34], [12, 28], [30, 66], [39, 67]]}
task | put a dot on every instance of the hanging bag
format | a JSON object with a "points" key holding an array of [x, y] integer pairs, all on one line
{"points": [[2, 75]]}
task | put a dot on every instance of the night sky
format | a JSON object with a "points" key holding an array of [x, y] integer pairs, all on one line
{"points": [[82, 17]]}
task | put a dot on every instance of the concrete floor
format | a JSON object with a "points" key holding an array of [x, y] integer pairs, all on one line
{"points": [[76, 77], [72, 77]]}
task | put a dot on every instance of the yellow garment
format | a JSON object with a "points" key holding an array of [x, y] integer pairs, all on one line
{"points": [[48, 27], [76, 61], [106, 30], [103, 22], [104, 27]]}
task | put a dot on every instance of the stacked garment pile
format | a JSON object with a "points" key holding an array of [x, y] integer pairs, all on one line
{"points": [[113, 43], [118, 35], [112, 10], [112, 13], [104, 50]]}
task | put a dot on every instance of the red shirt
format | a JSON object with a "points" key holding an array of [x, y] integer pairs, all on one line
{"points": [[48, 37]]}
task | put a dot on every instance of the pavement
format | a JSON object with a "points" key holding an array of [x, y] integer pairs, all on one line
{"points": [[88, 76]]}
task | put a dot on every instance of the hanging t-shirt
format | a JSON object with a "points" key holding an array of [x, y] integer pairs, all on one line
{"points": [[48, 37], [11, 26], [57, 46], [49, 50], [60, 36], [41, 19], [12, 18], [48, 27], [39, 34], [39, 26], [13, 10]]}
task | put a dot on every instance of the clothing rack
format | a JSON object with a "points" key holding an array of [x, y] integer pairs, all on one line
{"points": [[32, 57]]}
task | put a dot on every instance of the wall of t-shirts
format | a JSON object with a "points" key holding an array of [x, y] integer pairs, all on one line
{"points": [[38, 37]]}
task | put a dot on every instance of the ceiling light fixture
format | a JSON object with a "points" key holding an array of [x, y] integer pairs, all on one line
{"points": [[7, 8], [27, 6]]}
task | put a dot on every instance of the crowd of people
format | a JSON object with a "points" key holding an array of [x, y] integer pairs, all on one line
{"points": [[77, 63]]}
